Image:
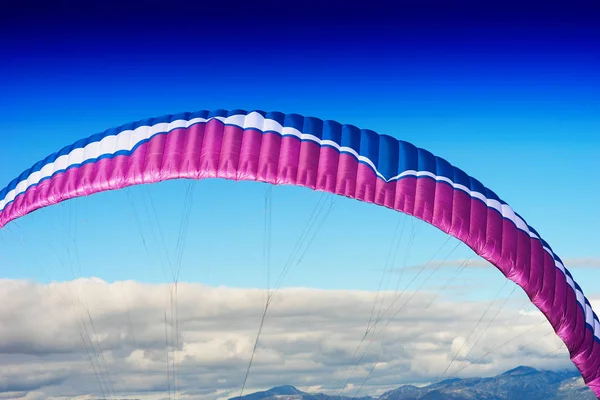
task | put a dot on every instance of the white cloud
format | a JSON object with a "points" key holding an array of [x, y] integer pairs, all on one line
{"points": [[571, 263], [589, 262], [309, 340]]}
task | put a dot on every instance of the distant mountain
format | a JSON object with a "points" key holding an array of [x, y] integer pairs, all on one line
{"points": [[291, 393], [517, 384]]}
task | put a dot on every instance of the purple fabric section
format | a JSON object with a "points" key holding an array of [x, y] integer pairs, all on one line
{"points": [[214, 150]]}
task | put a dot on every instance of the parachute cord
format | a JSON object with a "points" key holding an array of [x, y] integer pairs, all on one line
{"points": [[372, 327], [461, 268], [99, 379], [405, 303], [172, 326], [136, 217], [526, 304], [409, 245], [15, 317], [130, 326], [491, 321], [160, 231], [423, 267], [266, 260], [392, 263], [141, 231], [551, 353], [170, 362], [138, 224], [404, 262], [387, 263], [71, 239], [319, 207], [521, 312], [473, 330], [354, 369], [534, 341], [297, 248], [267, 236], [171, 267], [367, 377], [167, 353], [260, 327], [372, 368], [316, 212], [175, 335], [93, 367], [184, 225], [101, 352], [80, 323], [420, 286], [521, 309], [502, 345], [163, 256], [313, 237]]}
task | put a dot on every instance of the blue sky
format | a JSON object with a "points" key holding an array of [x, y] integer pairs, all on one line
{"points": [[510, 95]]}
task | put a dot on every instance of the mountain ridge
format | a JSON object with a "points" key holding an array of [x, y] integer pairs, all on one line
{"points": [[519, 383]]}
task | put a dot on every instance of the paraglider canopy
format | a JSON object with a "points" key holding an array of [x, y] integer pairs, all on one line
{"points": [[342, 159]]}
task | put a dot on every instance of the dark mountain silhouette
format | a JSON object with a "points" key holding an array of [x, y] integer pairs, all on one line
{"points": [[517, 384]]}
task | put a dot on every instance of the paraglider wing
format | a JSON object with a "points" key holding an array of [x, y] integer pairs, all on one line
{"points": [[323, 155]]}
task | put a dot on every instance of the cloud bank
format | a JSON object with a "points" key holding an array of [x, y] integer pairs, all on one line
{"points": [[571, 263], [88, 338]]}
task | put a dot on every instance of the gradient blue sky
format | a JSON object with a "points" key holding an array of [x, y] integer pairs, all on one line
{"points": [[509, 94]]}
